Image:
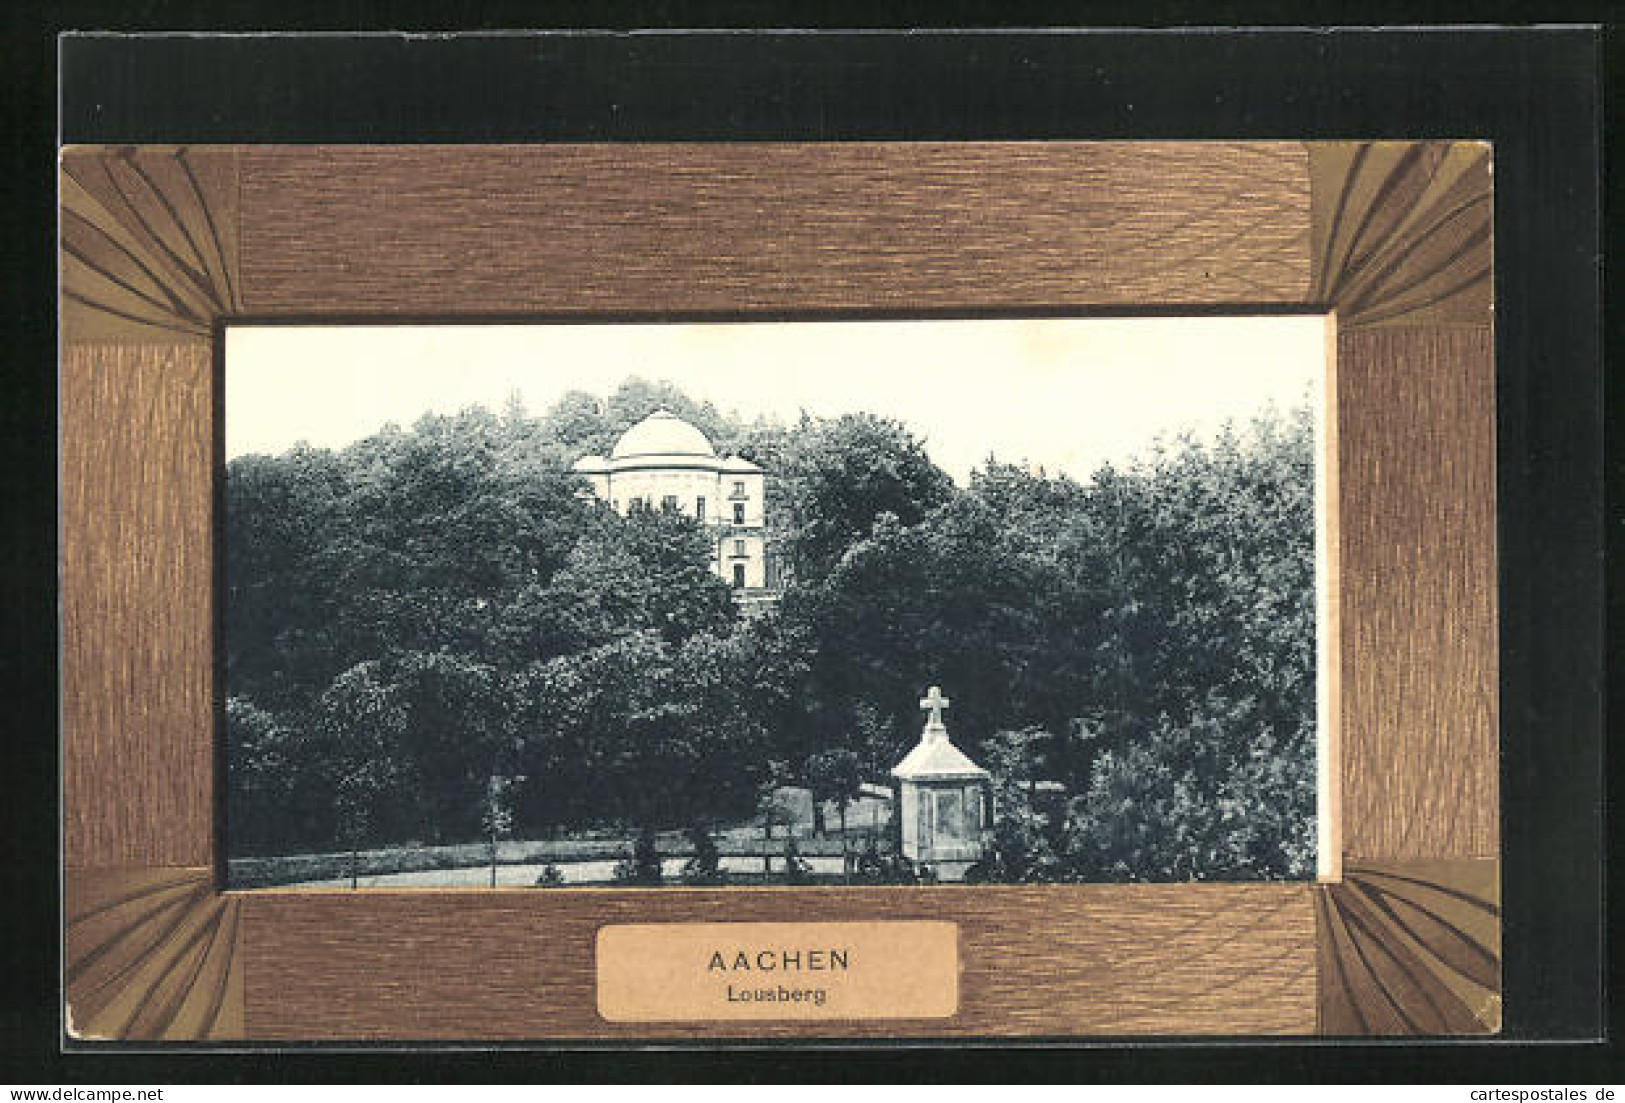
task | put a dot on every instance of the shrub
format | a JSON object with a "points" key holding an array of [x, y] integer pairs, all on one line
{"points": [[705, 867], [550, 877], [642, 867], [884, 869]]}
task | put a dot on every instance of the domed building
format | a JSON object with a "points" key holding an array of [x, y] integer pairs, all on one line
{"points": [[665, 463]]}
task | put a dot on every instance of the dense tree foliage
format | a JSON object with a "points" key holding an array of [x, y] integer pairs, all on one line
{"points": [[1132, 656], [836, 478]]}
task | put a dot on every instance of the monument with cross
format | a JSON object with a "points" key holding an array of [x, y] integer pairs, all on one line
{"points": [[942, 801]]}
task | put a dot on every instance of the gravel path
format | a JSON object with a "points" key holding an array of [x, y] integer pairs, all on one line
{"points": [[575, 873]]}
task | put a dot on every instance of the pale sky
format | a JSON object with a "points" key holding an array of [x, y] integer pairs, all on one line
{"points": [[1066, 394]]}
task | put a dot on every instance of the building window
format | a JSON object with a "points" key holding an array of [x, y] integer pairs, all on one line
{"points": [[668, 504], [739, 513], [739, 490], [739, 547], [699, 507], [739, 576]]}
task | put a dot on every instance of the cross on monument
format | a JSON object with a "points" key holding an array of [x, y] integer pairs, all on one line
{"points": [[934, 702]]}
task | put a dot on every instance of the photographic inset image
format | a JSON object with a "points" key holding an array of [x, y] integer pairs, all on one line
{"points": [[764, 603]]}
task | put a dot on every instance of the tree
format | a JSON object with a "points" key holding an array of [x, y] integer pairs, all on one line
{"points": [[644, 572], [588, 733], [960, 598], [684, 597], [643, 866], [496, 820], [770, 806], [263, 756], [1209, 800], [1207, 761], [796, 869], [839, 476], [280, 515], [835, 774], [453, 736], [577, 425], [1164, 606], [362, 718], [636, 398], [726, 720], [639, 731], [1028, 843], [705, 867]]}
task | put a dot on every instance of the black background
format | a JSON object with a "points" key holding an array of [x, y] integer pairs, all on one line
{"points": [[1536, 95]]}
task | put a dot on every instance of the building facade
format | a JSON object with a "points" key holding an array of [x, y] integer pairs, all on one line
{"points": [[665, 463]]}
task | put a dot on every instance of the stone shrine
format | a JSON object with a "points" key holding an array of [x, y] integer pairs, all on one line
{"points": [[942, 800]]}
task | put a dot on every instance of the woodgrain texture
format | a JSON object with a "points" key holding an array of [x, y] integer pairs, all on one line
{"points": [[1402, 232], [149, 243], [1412, 948], [781, 227], [1419, 734], [518, 964], [152, 955], [137, 630]]}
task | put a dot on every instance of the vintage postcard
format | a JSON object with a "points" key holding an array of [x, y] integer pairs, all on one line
{"points": [[780, 590]]}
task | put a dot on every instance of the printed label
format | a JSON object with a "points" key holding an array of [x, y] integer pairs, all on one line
{"points": [[686, 972]]}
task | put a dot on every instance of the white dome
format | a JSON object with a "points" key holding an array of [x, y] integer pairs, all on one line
{"points": [[662, 433]]}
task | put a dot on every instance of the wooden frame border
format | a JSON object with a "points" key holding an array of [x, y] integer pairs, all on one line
{"points": [[160, 244]]}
